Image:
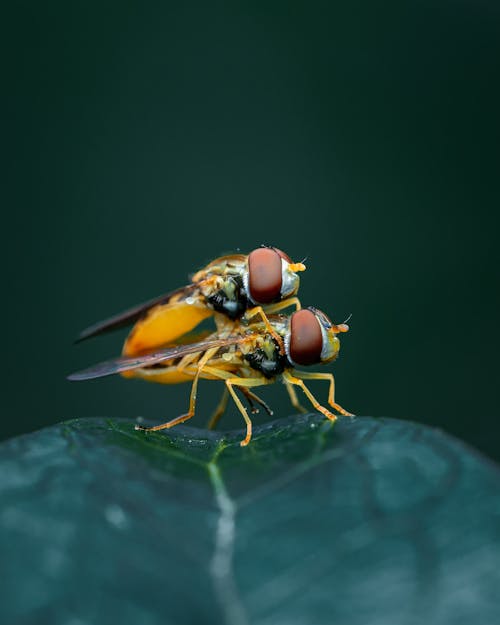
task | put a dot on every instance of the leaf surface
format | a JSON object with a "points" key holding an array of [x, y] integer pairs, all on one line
{"points": [[369, 521]]}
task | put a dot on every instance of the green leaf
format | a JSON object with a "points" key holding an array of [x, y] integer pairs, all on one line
{"points": [[369, 521]]}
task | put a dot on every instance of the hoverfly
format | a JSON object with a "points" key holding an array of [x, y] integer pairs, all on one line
{"points": [[244, 357], [263, 282]]}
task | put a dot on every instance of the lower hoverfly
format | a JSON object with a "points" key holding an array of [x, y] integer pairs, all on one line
{"points": [[230, 287], [243, 357]]}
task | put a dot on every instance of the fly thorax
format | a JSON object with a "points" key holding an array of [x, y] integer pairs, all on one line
{"points": [[228, 297], [266, 359]]}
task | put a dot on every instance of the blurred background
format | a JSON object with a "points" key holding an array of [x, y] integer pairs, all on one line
{"points": [[144, 139]]}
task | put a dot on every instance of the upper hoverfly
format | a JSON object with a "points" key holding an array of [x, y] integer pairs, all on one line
{"points": [[244, 357], [260, 283]]}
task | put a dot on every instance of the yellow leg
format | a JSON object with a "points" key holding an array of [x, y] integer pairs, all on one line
{"points": [[270, 310], [247, 382], [288, 377], [187, 361], [258, 310], [286, 303], [192, 397], [294, 399], [219, 411], [231, 381], [306, 375], [221, 408]]}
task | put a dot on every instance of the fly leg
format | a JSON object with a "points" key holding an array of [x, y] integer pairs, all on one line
{"points": [[258, 310], [272, 309], [187, 361], [245, 382], [219, 411], [250, 402], [294, 399], [252, 397], [192, 397], [288, 377], [231, 380], [221, 408], [306, 375], [222, 405]]}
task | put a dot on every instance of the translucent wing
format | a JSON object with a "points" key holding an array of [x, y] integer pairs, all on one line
{"points": [[129, 316], [118, 365]]}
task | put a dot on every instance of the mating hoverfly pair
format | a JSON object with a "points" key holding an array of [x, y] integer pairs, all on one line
{"points": [[252, 345]]}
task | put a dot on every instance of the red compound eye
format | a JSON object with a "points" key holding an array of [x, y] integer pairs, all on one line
{"points": [[264, 275], [306, 338]]}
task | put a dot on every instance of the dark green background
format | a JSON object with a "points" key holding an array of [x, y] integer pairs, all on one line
{"points": [[145, 139]]}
